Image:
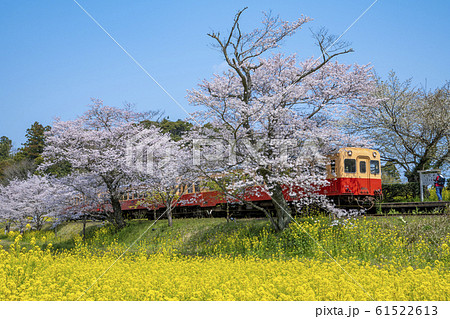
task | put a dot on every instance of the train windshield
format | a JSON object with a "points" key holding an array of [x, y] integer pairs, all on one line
{"points": [[350, 165], [374, 167]]}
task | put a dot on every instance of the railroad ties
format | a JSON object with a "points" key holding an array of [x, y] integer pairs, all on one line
{"points": [[411, 206]]}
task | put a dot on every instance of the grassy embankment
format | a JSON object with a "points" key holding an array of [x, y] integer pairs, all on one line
{"points": [[411, 240]]}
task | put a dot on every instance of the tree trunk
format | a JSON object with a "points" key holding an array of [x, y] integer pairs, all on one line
{"points": [[228, 213], [117, 213], [169, 217], [38, 224], [281, 207], [267, 213], [84, 227]]}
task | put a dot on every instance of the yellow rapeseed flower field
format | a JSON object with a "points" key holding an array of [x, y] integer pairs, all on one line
{"points": [[36, 274]]}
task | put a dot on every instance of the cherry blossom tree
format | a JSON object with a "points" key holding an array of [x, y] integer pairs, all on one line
{"points": [[266, 124], [410, 126], [82, 198], [6, 211], [31, 200], [96, 144], [165, 172]]}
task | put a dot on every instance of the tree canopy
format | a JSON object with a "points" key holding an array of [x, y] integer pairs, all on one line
{"points": [[95, 144], [410, 126], [270, 116]]}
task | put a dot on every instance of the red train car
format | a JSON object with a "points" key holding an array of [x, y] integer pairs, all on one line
{"points": [[354, 177]]}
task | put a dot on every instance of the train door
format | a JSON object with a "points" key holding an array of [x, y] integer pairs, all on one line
{"points": [[333, 180], [363, 175], [332, 174]]}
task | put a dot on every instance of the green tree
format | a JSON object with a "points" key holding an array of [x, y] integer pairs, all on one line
{"points": [[4, 166], [5, 148], [5, 156], [176, 129], [18, 169], [60, 169], [390, 173], [34, 145]]}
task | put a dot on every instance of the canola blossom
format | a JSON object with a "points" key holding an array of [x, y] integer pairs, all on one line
{"points": [[37, 274]]}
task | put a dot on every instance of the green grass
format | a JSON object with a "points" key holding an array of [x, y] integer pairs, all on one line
{"points": [[63, 239], [414, 228], [186, 236]]}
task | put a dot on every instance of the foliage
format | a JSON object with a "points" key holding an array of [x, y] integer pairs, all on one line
{"points": [[60, 169], [83, 199], [18, 169], [5, 156], [4, 166], [410, 126], [31, 201], [165, 174], [445, 194], [411, 192], [414, 241], [95, 145], [176, 128], [400, 192], [390, 174], [34, 145], [27, 158], [5, 148]]}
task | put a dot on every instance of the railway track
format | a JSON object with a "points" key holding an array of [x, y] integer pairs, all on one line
{"points": [[405, 215], [411, 206]]}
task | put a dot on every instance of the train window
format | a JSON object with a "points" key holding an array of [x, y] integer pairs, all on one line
{"points": [[350, 165], [362, 167], [374, 167], [190, 189], [333, 167]]}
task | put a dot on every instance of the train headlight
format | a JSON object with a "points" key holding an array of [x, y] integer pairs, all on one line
{"points": [[349, 153], [374, 154]]}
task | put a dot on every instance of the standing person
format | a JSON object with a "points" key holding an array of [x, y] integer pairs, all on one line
{"points": [[439, 184]]}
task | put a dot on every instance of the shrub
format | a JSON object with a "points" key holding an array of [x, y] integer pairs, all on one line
{"points": [[400, 192]]}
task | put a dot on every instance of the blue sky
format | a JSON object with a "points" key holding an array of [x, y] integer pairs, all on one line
{"points": [[54, 58]]}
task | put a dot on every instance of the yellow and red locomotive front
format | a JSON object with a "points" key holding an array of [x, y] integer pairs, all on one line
{"points": [[354, 171]]}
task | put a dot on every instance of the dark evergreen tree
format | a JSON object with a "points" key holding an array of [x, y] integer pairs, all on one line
{"points": [[34, 145], [5, 148], [176, 129]]}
